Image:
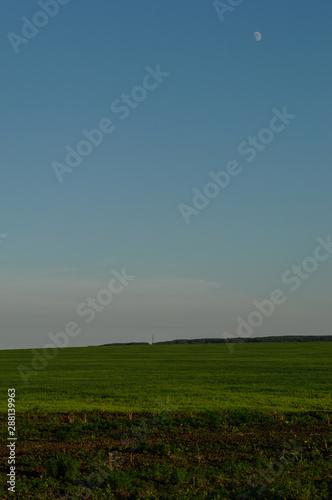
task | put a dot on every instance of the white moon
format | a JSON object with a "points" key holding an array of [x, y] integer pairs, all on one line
{"points": [[257, 36]]}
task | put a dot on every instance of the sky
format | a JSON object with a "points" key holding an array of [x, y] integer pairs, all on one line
{"points": [[179, 89]]}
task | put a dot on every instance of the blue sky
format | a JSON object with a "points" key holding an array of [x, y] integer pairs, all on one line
{"points": [[120, 206]]}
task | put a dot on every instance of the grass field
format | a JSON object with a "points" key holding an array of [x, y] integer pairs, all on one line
{"points": [[270, 376], [239, 455], [172, 422]]}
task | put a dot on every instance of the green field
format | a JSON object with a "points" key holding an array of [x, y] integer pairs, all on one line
{"points": [[267, 376], [236, 455], [172, 421]]}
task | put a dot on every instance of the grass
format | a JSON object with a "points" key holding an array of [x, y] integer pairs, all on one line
{"points": [[270, 376], [207, 455], [173, 422]]}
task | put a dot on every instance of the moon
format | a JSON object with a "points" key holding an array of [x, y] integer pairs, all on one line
{"points": [[257, 36]]}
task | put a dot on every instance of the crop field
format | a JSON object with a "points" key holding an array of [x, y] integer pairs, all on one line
{"points": [[172, 421], [238, 455], [200, 377]]}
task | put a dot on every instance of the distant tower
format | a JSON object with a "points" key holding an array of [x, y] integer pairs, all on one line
{"points": [[152, 341]]}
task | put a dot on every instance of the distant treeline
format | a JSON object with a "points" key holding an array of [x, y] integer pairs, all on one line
{"points": [[281, 338]]}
